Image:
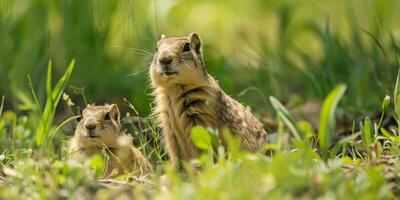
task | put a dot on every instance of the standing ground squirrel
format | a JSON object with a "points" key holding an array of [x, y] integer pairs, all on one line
{"points": [[186, 95], [99, 129]]}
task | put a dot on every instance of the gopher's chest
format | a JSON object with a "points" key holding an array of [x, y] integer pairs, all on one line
{"points": [[186, 113]]}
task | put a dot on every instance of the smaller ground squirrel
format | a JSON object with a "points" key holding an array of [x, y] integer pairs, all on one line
{"points": [[100, 129], [186, 95]]}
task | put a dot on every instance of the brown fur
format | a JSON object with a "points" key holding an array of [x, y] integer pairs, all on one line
{"points": [[122, 156], [186, 95]]}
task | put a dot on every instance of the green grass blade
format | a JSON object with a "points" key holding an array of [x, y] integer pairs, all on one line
{"points": [[343, 142], [38, 106], [62, 83], [396, 99], [327, 118], [45, 119], [1, 106], [53, 133], [25, 102], [53, 97], [286, 117], [387, 135], [48, 80]]}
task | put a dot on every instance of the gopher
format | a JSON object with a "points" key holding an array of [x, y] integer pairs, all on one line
{"points": [[100, 129], [186, 96]]}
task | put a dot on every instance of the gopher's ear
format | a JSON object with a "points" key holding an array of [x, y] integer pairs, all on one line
{"points": [[194, 38], [115, 115], [162, 36]]}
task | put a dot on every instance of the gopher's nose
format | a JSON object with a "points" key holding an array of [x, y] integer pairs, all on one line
{"points": [[90, 126], [166, 60]]}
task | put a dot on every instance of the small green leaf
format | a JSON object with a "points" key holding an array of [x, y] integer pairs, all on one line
{"points": [[327, 118], [367, 132], [97, 163], [201, 138], [305, 129], [286, 117]]}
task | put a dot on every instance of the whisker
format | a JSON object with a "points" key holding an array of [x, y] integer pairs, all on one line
{"points": [[136, 73], [135, 50], [143, 67]]}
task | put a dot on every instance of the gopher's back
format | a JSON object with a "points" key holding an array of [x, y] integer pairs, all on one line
{"points": [[241, 122]]}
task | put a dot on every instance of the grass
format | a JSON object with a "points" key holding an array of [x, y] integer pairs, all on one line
{"points": [[343, 55], [298, 169], [53, 97], [117, 39]]}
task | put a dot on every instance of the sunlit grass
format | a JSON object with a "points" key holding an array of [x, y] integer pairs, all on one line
{"points": [[298, 170], [344, 54]]}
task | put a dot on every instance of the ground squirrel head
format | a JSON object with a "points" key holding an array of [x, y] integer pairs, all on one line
{"points": [[99, 125], [178, 60]]}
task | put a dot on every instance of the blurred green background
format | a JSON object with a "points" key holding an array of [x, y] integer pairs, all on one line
{"points": [[294, 50]]}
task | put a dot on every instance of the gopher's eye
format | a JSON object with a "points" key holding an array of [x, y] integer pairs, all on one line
{"points": [[78, 119], [186, 47], [156, 48], [107, 116]]}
